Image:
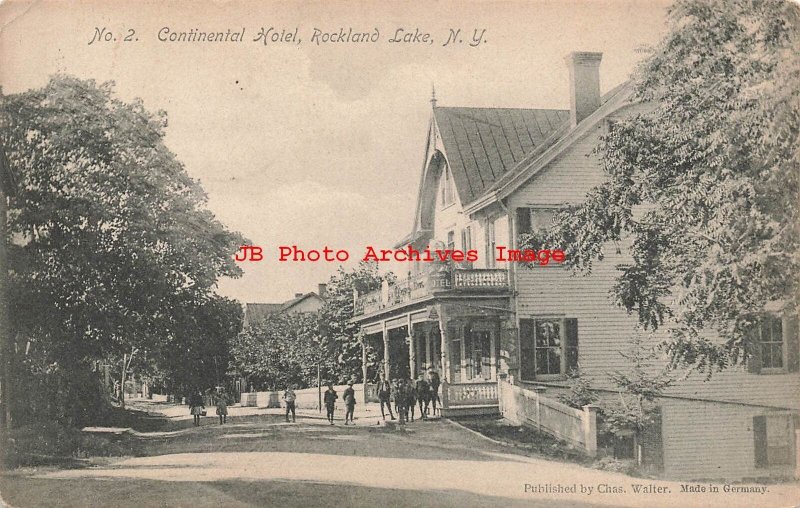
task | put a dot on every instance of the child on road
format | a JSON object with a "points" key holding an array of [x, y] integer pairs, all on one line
{"points": [[350, 403], [290, 397]]}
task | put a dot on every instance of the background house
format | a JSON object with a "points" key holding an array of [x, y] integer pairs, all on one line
{"points": [[301, 303]]}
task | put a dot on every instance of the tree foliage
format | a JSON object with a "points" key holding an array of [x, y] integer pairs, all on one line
{"points": [[705, 183], [282, 350], [286, 348], [338, 311], [112, 245]]}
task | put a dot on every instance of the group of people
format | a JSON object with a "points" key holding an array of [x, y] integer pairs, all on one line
{"points": [[197, 406], [407, 394], [349, 397]]}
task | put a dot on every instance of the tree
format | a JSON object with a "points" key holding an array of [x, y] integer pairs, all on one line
{"points": [[114, 249], [338, 312], [705, 184], [638, 388], [280, 350]]}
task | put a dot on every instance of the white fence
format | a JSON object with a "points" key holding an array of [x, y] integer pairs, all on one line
{"points": [[307, 398], [533, 409]]}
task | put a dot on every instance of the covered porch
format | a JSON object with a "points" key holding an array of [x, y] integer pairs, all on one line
{"points": [[458, 338]]}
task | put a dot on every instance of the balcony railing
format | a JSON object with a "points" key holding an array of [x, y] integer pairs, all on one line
{"points": [[426, 284]]}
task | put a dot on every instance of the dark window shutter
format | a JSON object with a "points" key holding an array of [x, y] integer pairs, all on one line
{"points": [[754, 352], [572, 344], [527, 365], [760, 440], [792, 342], [523, 220]]}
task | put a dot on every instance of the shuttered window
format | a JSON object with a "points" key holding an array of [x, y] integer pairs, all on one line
{"points": [[532, 220], [548, 347], [773, 440], [773, 345]]}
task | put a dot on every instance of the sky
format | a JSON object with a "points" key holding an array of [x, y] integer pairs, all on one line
{"points": [[311, 144]]}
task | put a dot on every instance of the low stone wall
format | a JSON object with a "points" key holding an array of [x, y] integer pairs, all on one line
{"points": [[307, 398]]}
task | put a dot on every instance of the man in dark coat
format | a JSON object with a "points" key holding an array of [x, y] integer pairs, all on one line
{"points": [[384, 397], [330, 401], [423, 395], [434, 381]]}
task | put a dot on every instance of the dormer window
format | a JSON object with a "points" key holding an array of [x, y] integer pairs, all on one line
{"points": [[448, 191]]}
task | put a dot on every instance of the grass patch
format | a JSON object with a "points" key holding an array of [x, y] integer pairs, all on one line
{"points": [[53, 444], [527, 439]]}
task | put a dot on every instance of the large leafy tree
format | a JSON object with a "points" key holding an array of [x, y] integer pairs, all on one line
{"points": [[342, 334], [282, 350], [286, 349], [113, 248], [705, 184]]}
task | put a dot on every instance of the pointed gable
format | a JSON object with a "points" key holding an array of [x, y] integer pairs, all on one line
{"points": [[483, 144]]}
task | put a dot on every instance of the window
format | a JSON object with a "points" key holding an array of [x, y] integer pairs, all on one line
{"points": [[490, 244], [548, 347], [451, 240], [773, 345], [448, 191], [466, 238], [774, 440], [533, 220]]}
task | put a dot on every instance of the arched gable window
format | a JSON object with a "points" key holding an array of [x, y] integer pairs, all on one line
{"points": [[448, 191]]}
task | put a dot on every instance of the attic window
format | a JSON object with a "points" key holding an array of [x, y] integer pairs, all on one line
{"points": [[448, 192]]}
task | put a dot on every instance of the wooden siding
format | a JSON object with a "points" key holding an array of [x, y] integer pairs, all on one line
{"points": [[706, 440], [604, 329]]}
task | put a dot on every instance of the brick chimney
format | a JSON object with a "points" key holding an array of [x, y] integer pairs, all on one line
{"points": [[322, 290], [584, 84]]}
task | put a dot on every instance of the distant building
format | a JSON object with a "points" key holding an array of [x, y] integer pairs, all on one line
{"points": [[301, 303]]}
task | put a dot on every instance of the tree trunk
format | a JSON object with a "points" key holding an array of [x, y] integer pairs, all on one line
{"points": [[122, 381], [125, 366]]}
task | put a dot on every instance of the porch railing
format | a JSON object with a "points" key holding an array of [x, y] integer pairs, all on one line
{"points": [[469, 394], [427, 283]]}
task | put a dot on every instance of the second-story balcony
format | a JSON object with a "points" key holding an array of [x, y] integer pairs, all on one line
{"points": [[427, 284]]}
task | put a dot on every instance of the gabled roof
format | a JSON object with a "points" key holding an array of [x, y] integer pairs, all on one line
{"points": [[482, 144], [294, 301], [259, 311]]}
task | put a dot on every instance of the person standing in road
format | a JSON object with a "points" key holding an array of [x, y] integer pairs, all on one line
{"points": [[423, 396], [384, 396], [434, 381], [330, 401], [222, 407], [196, 407], [411, 398], [290, 398], [350, 403], [399, 390]]}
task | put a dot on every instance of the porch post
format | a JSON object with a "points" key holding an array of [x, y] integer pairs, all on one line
{"points": [[385, 333], [444, 347], [412, 360], [427, 336], [362, 339]]}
